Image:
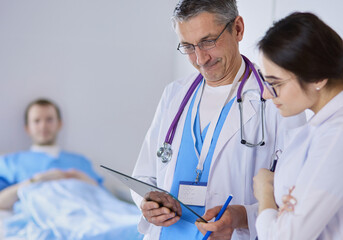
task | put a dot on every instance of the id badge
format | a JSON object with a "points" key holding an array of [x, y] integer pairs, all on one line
{"points": [[191, 193]]}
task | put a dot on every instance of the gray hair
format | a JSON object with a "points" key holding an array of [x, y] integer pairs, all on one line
{"points": [[224, 10]]}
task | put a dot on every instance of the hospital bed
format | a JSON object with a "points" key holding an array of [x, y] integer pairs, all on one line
{"points": [[69, 209]]}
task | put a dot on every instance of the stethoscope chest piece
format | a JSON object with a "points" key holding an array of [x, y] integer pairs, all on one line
{"points": [[165, 153]]}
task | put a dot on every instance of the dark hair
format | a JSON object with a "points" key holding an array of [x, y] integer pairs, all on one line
{"points": [[224, 10], [304, 45], [42, 102]]}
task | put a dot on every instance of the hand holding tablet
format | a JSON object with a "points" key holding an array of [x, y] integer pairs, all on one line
{"points": [[160, 196]]}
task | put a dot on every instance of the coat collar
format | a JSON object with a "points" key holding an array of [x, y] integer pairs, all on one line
{"points": [[51, 150], [328, 110]]}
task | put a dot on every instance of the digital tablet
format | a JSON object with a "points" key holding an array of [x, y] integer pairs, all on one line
{"points": [[143, 189]]}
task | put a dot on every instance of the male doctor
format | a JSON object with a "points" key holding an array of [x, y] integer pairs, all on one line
{"points": [[208, 157]]}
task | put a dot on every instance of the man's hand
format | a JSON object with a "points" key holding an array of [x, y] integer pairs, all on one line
{"points": [[235, 216], [56, 174], [161, 209], [73, 173]]}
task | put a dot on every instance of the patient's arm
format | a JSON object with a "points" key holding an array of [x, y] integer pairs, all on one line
{"points": [[8, 196]]}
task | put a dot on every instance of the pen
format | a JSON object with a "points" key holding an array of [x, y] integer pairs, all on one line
{"points": [[276, 158], [272, 168], [219, 215]]}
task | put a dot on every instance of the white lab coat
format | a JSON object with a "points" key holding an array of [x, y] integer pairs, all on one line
{"points": [[233, 165], [313, 163]]}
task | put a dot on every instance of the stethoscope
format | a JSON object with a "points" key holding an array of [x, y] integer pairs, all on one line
{"points": [[165, 152]]}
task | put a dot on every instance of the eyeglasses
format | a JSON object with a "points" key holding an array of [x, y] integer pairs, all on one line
{"points": [[271, 86], [203, 45]]}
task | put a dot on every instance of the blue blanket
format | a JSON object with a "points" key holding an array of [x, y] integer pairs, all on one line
{"points": [[71, 209]]}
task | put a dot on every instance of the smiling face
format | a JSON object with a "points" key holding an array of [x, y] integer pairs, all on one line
{"points": [[291, 99], [43, 124], [220, 64]]}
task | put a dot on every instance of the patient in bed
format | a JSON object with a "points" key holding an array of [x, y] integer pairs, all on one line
{"points": [[54, 194]]}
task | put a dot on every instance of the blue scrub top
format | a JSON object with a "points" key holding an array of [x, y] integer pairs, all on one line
{"points": [[186, 164], [18, 167]]}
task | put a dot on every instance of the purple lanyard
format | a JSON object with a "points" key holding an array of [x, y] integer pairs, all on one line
{"points": [[172, 129]]}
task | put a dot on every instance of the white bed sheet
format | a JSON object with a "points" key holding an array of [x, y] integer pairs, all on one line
{"points": [[3, 216]]}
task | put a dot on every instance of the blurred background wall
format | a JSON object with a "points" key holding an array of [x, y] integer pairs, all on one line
{"points": [[105, 63]]}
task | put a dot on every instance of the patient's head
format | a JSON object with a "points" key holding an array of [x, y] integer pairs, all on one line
{"points": [[43, 121]]}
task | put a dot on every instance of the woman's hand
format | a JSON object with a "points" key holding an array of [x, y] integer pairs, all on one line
{"points": [[264, 189]]}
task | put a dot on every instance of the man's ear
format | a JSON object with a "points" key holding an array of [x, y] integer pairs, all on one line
{"points": [[238, 28], [60, 124], [26, 127]]}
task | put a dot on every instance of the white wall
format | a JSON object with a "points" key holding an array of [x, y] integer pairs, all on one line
{"points": [[259, 16], [106, 63]]}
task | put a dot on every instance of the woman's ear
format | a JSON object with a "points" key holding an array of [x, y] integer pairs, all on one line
{"points": [[320, 84]]}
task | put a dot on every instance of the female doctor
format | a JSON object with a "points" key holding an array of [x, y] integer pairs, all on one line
{"points": [[303, 67]]}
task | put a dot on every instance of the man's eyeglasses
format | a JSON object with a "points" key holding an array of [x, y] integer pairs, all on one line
{"points": [[203, 45], [271, 86]]}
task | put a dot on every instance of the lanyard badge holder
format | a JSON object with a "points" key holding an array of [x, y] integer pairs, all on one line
{"points": [[193, 193]]}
